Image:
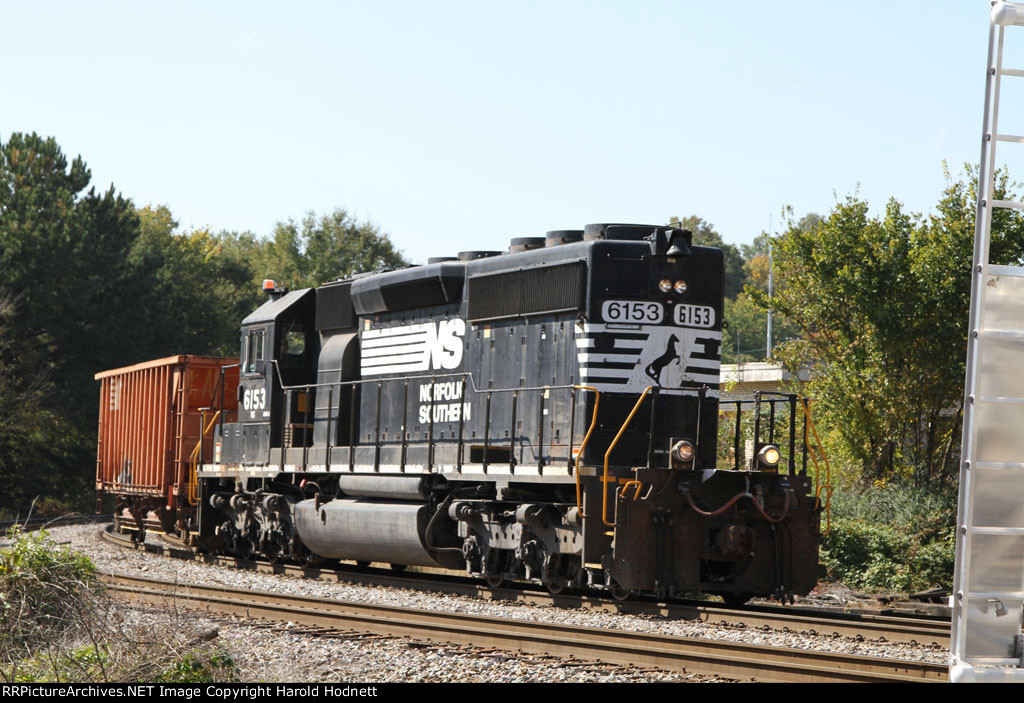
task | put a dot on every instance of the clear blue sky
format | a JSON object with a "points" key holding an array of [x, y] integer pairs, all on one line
{"points": [[457, 125]]}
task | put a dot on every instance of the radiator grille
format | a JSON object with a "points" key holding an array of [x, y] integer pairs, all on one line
{"points": [[334, 307], [532, 291]]}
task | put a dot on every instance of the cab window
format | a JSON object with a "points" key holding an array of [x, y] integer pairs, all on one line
{"points": [[291, 346], [254, 350], [296, 341]]}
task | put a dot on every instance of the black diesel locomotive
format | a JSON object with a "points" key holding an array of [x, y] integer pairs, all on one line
{"points": [[549, 414]]}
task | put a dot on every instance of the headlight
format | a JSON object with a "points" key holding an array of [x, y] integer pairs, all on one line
{"points": [[682, 453], [680, 287], [665, 285], [769, 456]]}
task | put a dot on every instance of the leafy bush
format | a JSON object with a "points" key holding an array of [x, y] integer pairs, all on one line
{"points": [[892, 538], [80, 664], [200, 666], [114, 661], [45, 589], [57, 624]]}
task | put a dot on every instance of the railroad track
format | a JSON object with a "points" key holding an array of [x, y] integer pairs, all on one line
{"points": [[732, 660], [925, 631], [38, 523]]}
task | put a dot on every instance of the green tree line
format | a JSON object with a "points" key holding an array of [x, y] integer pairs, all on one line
{"points": [[876, 305], [89, 281]]}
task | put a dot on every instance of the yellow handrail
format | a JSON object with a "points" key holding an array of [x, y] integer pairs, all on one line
{"points": [[633, 482], [607, 454], [806, 405], [583, 445], [193, 459]]}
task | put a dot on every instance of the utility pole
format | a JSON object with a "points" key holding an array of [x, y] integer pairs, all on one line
{"points": [[769, 344]]}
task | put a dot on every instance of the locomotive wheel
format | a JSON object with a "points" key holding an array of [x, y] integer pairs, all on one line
{"points": [[735, 600], [494, 580], [398, 568], [272, 552], [311, 560], [362, 564], [555, 587]]}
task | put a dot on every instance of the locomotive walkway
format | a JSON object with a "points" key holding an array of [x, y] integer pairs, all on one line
{"points": [[727, 659]]}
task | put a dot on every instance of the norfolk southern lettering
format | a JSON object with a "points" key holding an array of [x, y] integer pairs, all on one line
{"points": [[439, 396]]}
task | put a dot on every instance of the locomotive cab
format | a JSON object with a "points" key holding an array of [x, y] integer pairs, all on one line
{"points": [[279, 348]]}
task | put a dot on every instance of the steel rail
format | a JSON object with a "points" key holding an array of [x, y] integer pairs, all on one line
{"points": [[38, 523], [843, 624], [733, 660]]}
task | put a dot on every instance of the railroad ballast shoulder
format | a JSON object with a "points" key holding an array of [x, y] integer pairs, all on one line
{"points": [[549, 413]]}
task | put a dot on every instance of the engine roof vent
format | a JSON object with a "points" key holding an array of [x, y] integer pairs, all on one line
{"points": [[562, 236], [627, 232], [474, 255], [440, 259], [519, 244]]}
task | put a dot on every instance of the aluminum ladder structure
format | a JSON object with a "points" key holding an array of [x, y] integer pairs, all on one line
{"points": [[988, 586]]}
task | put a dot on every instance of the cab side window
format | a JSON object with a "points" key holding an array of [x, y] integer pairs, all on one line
{"points": [[296, 341], [292, 348], [254, 350]]}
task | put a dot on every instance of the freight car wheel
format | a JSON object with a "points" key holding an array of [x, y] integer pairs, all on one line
{"points": [[619, 593], [555, 587], [494, 580]]}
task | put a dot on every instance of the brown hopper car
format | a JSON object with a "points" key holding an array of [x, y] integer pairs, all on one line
{"points": [[149, 429]]}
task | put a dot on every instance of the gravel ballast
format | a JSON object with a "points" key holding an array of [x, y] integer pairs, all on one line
{"points": [[292, 655]]}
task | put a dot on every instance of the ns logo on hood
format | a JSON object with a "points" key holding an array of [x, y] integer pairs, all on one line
{"points": [[425, 346]]}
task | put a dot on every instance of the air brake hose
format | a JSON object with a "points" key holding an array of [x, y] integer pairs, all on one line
{"points": [[734, 499], [430, 526]]}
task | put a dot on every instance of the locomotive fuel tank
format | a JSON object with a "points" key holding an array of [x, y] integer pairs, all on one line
{"points": [[367, 529]]}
